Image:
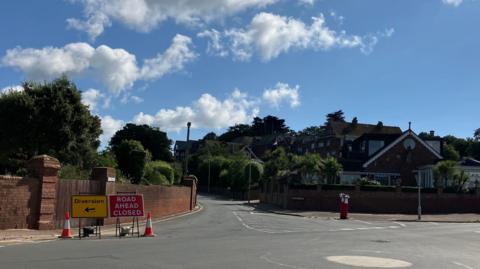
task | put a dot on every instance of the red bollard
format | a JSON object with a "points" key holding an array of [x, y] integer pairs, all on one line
{"points": [[344, 205]]}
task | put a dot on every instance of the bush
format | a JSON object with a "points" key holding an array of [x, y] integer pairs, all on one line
{"points": [[159, 173], [73, 172], [131, 158], [368, 181]]}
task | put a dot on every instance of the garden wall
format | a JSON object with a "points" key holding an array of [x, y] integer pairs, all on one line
{"points": [[397, 200]]}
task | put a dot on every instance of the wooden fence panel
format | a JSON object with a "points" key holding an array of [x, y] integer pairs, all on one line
{"points": [[65, 189]]}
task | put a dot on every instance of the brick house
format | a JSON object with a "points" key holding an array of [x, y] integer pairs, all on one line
{"points": [[337, 135], [390, 159]]}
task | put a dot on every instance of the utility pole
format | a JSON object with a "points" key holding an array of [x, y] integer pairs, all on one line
{"points": [[419, 210], [208, 187], [249, 178], [188, 147]]}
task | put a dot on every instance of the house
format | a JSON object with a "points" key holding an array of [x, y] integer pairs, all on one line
{"points": [[469, 166], [180, 149], [338, 134], [389, 158]]}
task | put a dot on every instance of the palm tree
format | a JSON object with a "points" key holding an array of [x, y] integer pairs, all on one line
{"points": [[309, 164], [331, 169], [444, 171]]}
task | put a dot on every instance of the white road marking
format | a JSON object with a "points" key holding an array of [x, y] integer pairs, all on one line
{"points": [[401, 224], [462, 265], [364, 222], [367, 261], [433, 223], [2, 246], [478, 232], [250, 227], [264, 257]]}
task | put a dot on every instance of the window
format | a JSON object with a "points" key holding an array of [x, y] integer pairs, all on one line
{"points": [[374, 146]]}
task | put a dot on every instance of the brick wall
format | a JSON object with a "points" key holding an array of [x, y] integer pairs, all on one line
{"points": [[375, 201], [40, 202], [161, 201], [19, 208]]}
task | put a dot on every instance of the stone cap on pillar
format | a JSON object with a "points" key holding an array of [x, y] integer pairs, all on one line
{"points": [[43, 165]]}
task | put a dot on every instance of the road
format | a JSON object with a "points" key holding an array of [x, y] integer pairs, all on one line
{"points": [[228, 234]]}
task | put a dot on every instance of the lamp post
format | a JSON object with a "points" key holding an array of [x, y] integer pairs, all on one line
{"points": [[419, 209], [188, 147]]}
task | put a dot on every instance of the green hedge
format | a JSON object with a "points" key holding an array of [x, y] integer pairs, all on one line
{"points": [[159, 173]]}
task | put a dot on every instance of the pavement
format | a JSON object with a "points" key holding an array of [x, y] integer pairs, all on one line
{"points": [[448, 218], [231, 234]]}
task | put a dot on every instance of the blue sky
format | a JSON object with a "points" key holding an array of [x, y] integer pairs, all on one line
{"points": [[219, 62]]}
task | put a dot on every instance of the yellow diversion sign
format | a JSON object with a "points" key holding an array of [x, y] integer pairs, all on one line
{"points": [[89, 206]]}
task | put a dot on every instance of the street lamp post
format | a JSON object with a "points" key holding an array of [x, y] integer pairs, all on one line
{"points": [[419, 209], [249, 178], [188, 147]]}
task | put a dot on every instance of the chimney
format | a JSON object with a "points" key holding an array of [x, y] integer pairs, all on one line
{"points": [[432, 133]]}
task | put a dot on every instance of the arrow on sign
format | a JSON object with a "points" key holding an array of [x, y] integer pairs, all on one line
{"points": [[88, 209]]}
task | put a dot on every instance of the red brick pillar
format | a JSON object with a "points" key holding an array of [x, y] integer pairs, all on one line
{"points": [[107, 176], [191, 181], [45, 168]]}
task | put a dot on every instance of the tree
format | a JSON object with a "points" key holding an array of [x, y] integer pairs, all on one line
{"points": [[131, 159], [311, 131], [277, 162], [210, 136], [461, 145], [268, 126], [151, 138], [460, 179], [47, 118], [450, 153], [331, 169], [336, 116], [444, 171], [308, 165], [476, 135], [233, 132]]}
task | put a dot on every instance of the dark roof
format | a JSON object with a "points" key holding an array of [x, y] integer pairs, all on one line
{"points": [[182, 145], [346, 128], [469, 162]]}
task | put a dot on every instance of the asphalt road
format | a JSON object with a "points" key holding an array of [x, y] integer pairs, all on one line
{"points": [[228, 234]]}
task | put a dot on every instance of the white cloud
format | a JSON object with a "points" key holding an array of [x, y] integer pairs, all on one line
{"points": [[215, 45], [282, 93], [205, 112], [145, 15], [91, 98], [13, 88], [131, 99], [117, 69], [269, 35], [173, 59], [109, 126], [307, 2], [454, 3]]}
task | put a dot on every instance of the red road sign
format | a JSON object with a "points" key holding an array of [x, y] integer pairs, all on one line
{"points": [[126, 205]]}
